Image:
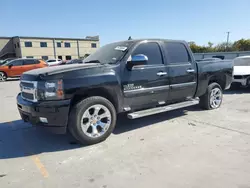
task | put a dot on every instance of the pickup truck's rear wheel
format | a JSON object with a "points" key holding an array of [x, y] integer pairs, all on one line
{"points": [[3, 77], [92, 120], [212, 99]]}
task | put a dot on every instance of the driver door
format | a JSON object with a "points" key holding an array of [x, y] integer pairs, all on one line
{"points": [[148, 84], [16, 68]]}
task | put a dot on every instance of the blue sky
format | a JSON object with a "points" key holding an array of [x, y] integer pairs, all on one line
{"points": [[192, 20]]}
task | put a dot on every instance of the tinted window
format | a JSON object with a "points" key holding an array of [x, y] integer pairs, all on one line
{"points": [[151, 50], [45, 57], [29, 62], [67, 45], [43, 44], [59, 45], [28, 44], [93, 45], [177, 53], [18, 45], [50, 61], [16, 62]]}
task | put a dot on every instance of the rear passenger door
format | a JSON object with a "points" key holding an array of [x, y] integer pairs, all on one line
{"points": [[147, 84], [182, 71], [30, 64]]}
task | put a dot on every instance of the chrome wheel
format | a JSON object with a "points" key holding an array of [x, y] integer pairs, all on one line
{"points": [[2, 76], [215, 97], [96, 121]]}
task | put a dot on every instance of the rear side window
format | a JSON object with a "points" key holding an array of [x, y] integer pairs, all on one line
{"points": [[176, 53], [151, 50], [50, 61], [29, 62]]}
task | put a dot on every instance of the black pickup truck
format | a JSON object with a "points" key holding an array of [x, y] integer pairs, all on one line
{"points": [[136, 77]]}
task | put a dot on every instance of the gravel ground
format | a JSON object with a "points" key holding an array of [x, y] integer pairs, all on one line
{"points": [[183, 148]]}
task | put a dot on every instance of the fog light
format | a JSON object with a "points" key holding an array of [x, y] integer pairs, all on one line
{"points": [[43, 120]]}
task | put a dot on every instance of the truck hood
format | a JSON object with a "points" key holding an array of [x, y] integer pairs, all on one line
{"points": [[61, 69], [241, 70]]}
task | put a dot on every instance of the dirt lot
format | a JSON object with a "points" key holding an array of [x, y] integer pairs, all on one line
{"points": [[183, 148]]}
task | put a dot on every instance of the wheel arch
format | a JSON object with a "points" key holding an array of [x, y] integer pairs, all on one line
{"points": [[4, 72], [107, 93], [220, 79]]}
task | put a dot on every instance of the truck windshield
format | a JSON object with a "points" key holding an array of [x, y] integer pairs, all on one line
{"points": [[109, 53]]}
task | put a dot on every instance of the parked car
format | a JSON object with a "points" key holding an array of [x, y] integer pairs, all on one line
{"points": [[136, 77], [54, 62], [6, 61], [17, 67], [242, 71], [74, 61]]}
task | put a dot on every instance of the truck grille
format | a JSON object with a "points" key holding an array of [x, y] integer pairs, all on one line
{"points": [[238, 77], [29, 90]]}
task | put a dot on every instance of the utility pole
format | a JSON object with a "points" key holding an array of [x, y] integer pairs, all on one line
{"points": [[228, 33]]}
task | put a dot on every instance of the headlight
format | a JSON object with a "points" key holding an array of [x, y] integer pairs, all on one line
{"points": [[52, 90]]}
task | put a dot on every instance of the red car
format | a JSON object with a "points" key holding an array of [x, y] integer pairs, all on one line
{"points": [[17, 67]]}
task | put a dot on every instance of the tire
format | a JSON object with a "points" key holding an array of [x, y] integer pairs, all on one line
{"points": [[89, 128], [3, 76], [205, 101]]}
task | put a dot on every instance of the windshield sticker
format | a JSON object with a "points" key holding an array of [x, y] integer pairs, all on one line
{"points": [[121, 48]]}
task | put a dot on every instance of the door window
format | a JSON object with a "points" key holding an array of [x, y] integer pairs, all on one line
{"points": [[16, 63], [151, 50], [176, 52], [29, 62]]}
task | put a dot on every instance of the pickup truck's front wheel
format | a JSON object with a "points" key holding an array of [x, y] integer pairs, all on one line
{"points": [[212, 99], [92, 120]]}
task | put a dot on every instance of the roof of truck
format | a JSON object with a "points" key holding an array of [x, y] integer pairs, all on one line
{"points": [[154, 39]]}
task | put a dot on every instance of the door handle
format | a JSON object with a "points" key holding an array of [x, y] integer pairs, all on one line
{"points": [[161, 73], [190, 70]]}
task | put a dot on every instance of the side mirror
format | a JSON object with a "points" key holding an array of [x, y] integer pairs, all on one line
{"points": [[10, 65], [134, 60]]}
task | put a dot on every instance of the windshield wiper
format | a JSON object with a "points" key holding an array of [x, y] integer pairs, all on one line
{"points": [[92, 61]]}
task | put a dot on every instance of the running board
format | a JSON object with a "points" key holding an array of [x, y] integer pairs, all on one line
{"points": [[161, 109]]}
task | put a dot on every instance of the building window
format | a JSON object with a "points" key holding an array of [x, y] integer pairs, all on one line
{"points": [[68, 57], [59, 57], [43, 44], [18, 45], [15, 45], [29, 56], [59, 45], [28, 44], [67, 45], [93, 45], [45, 58]]}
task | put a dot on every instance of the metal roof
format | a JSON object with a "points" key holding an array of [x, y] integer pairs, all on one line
{"points": [[88, 38]]}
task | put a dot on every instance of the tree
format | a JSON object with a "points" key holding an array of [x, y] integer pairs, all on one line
{"points": [[242, 45]]}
